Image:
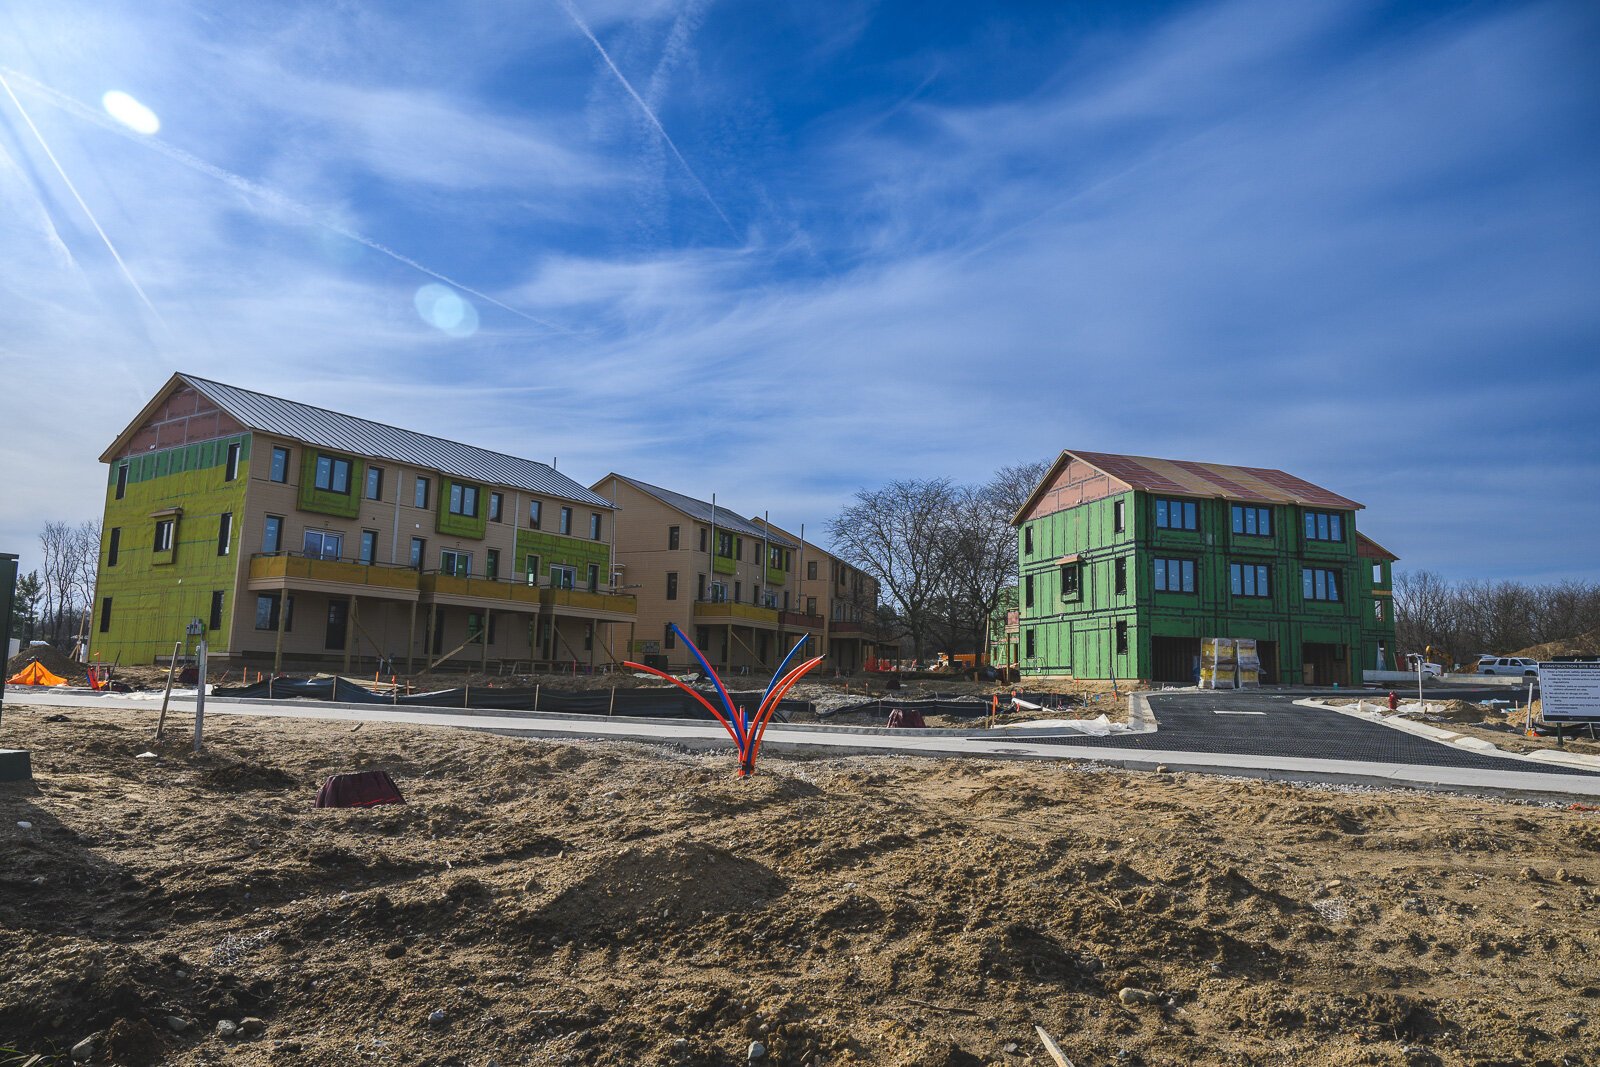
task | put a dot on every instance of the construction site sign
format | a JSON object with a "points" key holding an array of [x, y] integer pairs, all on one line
{"points": [[1570, 692]]}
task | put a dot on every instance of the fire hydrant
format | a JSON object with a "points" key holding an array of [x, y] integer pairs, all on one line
{"points": [[1394, 701]]}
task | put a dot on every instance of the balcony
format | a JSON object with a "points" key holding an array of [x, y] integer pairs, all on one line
{"points": [[468, 591], [799, 620], [735, 613], [596, 605], [295, 570], [846, 628]]}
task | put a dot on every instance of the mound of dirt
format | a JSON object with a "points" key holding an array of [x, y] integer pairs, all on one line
{"points": [[1459, 711], [1583, 645], [55, 662]]}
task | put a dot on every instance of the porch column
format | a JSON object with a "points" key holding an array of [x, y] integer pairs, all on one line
{"points": [[283, 616], [411, 639]]}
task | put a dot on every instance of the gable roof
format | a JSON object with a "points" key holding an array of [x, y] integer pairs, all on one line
{"points": [[1182, 477], [363, 437], [702, 511], [1367, 548]]}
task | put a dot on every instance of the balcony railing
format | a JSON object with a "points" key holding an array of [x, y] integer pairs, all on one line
{"points": [[297, 565], [735, 611], [800, 620]]}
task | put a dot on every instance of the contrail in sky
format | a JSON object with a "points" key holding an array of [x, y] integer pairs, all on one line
{"points": [[247, 187], [126, 273], [577, 20]]}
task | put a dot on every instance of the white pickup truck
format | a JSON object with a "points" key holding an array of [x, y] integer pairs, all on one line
{"points": [[1429, 670]]}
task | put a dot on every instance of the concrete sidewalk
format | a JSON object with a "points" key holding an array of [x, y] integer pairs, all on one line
{"points": [[837, 740]]}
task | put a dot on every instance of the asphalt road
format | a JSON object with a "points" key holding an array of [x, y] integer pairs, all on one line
{"points": [[1271, 724]]}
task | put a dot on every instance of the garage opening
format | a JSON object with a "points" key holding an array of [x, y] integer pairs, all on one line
{"points": [[1175, 660], [1324, 664], [1267, 653]]}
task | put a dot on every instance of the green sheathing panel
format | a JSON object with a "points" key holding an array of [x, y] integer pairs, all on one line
{"points": [[325, 501], [470, 526], [1078, 636], [151, 604], [575, 552], [1377, 627]]}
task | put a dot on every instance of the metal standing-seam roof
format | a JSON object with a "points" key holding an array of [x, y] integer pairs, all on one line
{"points": [[362, 437], [701, 510]]}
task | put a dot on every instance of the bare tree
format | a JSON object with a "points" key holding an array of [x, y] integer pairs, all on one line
{"points": [[893, 534], [980, 561], [55, 543], [1469, 618], [1011, 487]]}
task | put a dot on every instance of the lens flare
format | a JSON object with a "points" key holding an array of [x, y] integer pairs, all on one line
{"points": [[447, 311], [128, 111]]}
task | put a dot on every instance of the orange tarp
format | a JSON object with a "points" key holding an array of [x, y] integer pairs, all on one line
{"points": [[35, 673]]}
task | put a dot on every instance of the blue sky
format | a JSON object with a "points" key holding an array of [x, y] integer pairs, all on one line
{"points": [[782, 251]]}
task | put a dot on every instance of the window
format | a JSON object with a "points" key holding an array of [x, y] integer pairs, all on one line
{"points": [[562, 577], [369, 547], [672, 537], [163, 541], [456, 563], [464, 500], [738, 591], [333, 474], [1377, 574], [703, 538], [1027, 591], [1071, 585], [1119, 520], [1324, 526], [320, 544], [1249, 579], [811, 570], [724, 544], [670, 638], [497, 505], [1317, 583], [594, 577], [491, 563], [594, 526], [267, 605], [280, 465], [122, 480], [811, 605], [1252, 521], [231, 471], [224, 532], [1377, 610], [531, 569], [272, 534], [1176, 515], [419, 551], [1174, 575], [419, 495], [588, 637], [719, 592], [1027, 643], [535, 512], [1027, 540], [114, 546], [105, 615], [1122, 639], [672, 585], [1119, 574], [374, 483], [566, 521], [215, 621], [700, 587]]}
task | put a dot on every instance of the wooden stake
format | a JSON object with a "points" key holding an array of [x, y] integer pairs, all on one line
{"points": [[1052, 1048], [171, 667]]}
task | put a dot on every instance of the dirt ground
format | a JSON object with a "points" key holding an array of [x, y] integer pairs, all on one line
{"points": [[537, 902]]}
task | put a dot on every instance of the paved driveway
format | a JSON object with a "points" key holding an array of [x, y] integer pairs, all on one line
{"points": [[1262, 724]]}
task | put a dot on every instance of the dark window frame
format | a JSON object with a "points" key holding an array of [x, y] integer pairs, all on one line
{"points": [[565, 526], [122, 480], [1122, 638], [278, 471], [230, 468], [1119, 516], [214, 620], [1324, 585], [1244, 576], [105, 614], [336, 464], [113, 547], [535, 514], [497, 506], [463, 500], [1188, 514], [276, 533], [225, 533], [1119, 576], [672, 585], [374, 484], [368, 552], [421, 492], [1188, 575], [168, 527], [1072, 581], [1321, 526]]}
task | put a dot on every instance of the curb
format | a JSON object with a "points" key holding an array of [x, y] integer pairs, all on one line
{"points": [[1581, 761]]}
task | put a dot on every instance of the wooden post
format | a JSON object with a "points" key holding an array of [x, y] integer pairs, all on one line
{"points": [[483, 636], [427, 633], [171, 669], [411, 639], [283, 618], [611, 709], [353, 612], [535, 696]]}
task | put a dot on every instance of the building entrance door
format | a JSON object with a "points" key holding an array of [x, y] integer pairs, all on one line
{"points": [[1174, 660], [338, 620], [1324, 664]]}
